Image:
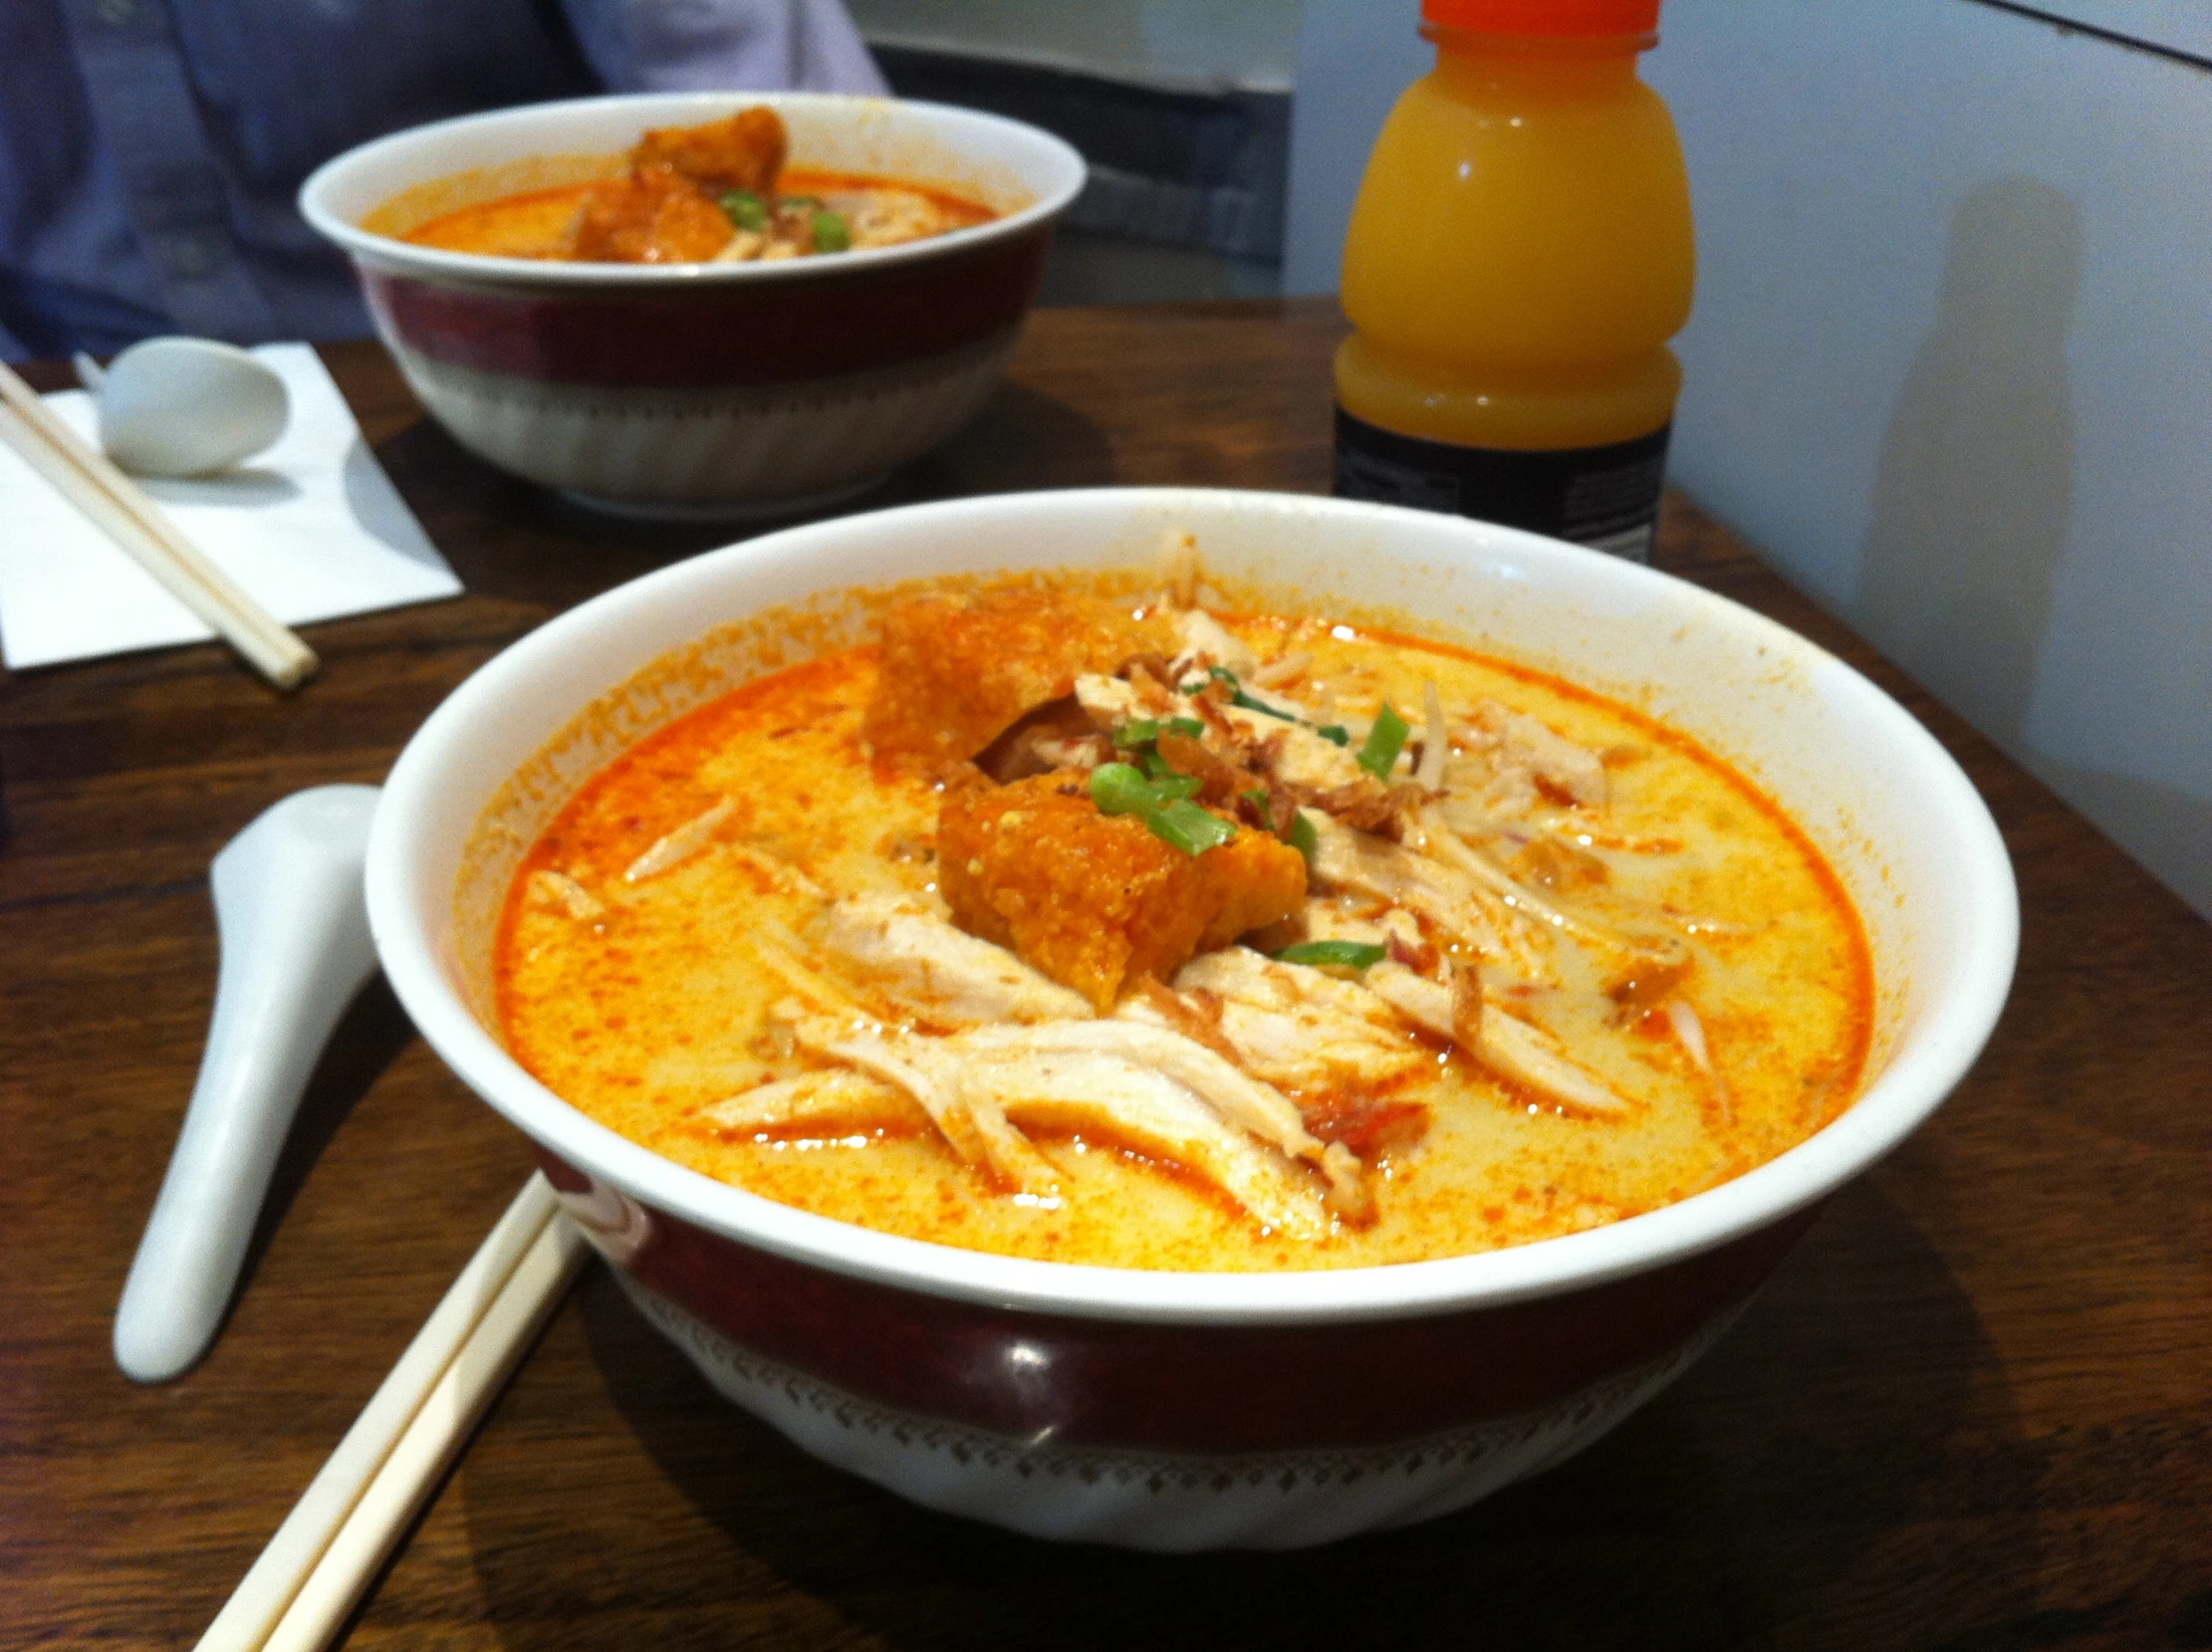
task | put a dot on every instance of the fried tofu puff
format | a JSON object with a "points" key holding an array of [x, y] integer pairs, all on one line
{"points": [[1096, 901], [954, 675]]}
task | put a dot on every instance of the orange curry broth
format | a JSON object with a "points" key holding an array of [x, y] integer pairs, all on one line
{"points": [[1122, 1209], [534, 223]]}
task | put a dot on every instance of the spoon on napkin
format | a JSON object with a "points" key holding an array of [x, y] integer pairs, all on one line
{"points": [[295, 949], [185, 407]]}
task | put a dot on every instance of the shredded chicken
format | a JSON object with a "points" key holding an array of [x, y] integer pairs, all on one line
{"points": [[560, 889], [1111, 701], [1216, 1079], [836, 1098], [1632, 844], [967, 1115], [1438, 840], [680, 844], [1513, 1048], [1443, 895], [1149, 1111], [883, 217], [1136, 1035], [785, 955], [1311, 770], [1197, 1017], [1690, 1031], [1479, 801], [1300, 1028], [1143, 1086], [1553, 863], [1206, 641], [950, 976], [1525, 1052], [1514, 739], [1436, 741], [1450, 1006], [778, 872], [1238, 1097]]}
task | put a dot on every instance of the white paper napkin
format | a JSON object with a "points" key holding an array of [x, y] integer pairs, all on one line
{"points": [[313, 527]]}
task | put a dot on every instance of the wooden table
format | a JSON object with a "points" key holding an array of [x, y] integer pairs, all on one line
{"points": [[1970, 1412]]}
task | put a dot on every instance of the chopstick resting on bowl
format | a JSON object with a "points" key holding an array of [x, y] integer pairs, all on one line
{"points": [[89, 480], [298, 1594]]}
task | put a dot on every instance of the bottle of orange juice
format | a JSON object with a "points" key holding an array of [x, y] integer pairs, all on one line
{"points": [[1518, 258]]}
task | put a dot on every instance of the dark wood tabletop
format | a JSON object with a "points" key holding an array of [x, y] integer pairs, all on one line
{"points": [[1970, 1412]]}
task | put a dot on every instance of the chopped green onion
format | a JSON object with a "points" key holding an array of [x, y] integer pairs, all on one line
{"points": [[1356, 955], [1186, 827], [830, 233], [1237, 696], [1257, 797], [746, 210], [1162, 803], [1142, 730], [1118, 789], [1304, 837], [1384, 740], [1155, 766], [1241, 698], [1335, 732]]}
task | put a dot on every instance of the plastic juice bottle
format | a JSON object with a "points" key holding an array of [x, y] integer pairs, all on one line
{"points": [[1519, 256]]}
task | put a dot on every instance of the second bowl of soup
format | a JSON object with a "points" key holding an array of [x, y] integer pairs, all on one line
{"points": [[1188, 1019], [701, 304]]}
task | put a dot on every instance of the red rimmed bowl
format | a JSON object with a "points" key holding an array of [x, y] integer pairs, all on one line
{"points": [[700, 389], [1182, 1411]]}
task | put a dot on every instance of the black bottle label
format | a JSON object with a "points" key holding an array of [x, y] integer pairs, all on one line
{"points": [[1607, 498]]}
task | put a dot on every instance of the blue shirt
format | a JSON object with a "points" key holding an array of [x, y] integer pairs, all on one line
{"points": [[150, 149]]}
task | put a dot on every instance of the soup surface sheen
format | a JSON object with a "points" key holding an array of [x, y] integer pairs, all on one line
{"points": [[1672, 985], [717, 194]]}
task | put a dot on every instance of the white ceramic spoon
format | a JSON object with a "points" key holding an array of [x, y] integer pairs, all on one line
{"points": [[185, 407], [294, 950]]}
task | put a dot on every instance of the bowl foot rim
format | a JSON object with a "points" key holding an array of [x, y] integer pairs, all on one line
{"points": [[720, 510], [1165, 1500]]}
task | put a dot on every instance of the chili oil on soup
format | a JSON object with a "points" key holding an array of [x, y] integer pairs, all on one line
{"points": [[645, 1000]]}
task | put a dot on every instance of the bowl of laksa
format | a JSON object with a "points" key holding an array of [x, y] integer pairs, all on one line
{"points": [[1182, 1017], [701, 304]]}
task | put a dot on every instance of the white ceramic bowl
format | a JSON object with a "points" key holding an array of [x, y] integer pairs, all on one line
{"points": [[710, 389], [1179, 1410]]}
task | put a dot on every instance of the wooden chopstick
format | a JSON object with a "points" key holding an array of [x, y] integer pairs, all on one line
{"points": [[89, 479], [314, 1570]]}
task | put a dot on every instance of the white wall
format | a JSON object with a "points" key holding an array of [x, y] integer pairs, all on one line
{"points": [[1952, 361], [1353, 59], [2183, 25], [1205, 44]]}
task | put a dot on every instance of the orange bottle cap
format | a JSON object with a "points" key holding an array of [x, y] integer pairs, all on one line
{"points": [[1544, 17]]}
